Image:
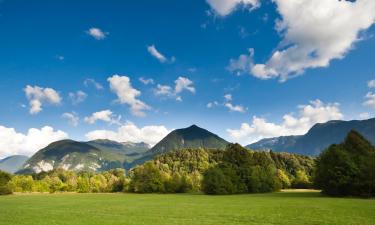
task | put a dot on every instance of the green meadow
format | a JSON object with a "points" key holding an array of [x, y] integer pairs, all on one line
{"points": [[293, 207]]}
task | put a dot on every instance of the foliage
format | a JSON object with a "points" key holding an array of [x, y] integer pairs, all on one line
{"points": [[235, 170], [242, 171], [4, 180], [347, 168]]}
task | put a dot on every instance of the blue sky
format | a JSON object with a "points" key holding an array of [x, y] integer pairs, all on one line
{"points": [[245, 69]]}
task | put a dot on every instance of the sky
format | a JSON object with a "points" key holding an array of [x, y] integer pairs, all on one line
{"points": [[136, 70]]}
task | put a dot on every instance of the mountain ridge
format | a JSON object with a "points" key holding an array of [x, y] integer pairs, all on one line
{"points": [[319, 137]]}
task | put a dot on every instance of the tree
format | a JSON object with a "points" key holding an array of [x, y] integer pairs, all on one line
{"points": [[301, 180], [147, 179], [217, 182], [4, 180], [347, 168]]}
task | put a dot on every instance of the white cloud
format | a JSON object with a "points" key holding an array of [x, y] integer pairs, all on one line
{"points": [[97, 33], [77, 97], [90, 81], [314, 33], [242, 64], [309, 115], [38, 96], [164, 90], [228, 104], [226, 7], [234, 108], [127, 94], [130, 132], [146, 81], [228, 97], [364, 116], [370, 100], [14, 143], [212, 104], [183, 83], [371, 84], [104, 115], [72, 118], [158, 55]]}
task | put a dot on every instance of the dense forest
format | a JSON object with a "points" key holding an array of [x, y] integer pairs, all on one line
{"points": [[180, 171]]}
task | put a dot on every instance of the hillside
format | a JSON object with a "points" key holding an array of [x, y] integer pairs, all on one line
{"points": [[13, 163], [319, 137], [97, 155]]}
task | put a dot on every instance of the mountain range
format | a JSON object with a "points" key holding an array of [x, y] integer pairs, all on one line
{"points": [[13, 163], [319, 137], [100, 155]]}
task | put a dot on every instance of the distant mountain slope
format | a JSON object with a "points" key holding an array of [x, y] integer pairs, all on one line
{"points": [[319, 137], [190, 137], [13, 163], [97, 155], [128, 148]]}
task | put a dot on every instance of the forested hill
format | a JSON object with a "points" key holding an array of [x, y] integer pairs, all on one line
{"points": [[190, 137], [319, 137]]}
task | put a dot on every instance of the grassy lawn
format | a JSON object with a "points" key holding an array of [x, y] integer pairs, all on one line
{"points": [[276, 208]]}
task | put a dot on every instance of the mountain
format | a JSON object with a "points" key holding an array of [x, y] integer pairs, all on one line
{"points": [[319, 137], [97, 155], [128, 148], [190, 137], [13, 163]]}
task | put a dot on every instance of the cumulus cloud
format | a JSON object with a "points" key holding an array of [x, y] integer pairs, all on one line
{"points": [[313, 34], [97, 33], [370, 100], [181, 84], [146, 81], [104, 115], [158, 55], [164, 90], [309, 115], [72, 118], [92, 82], [130, 132], [126, 94], [15, 143], [235, 108], [228, 104], [37, 96], [226, 7], [77, 97]]}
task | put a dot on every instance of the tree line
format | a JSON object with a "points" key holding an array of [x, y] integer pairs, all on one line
{"points": [[342, 169], [189, 170]]}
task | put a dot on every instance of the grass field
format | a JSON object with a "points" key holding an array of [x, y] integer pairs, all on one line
{"points": [[276, 208]]}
